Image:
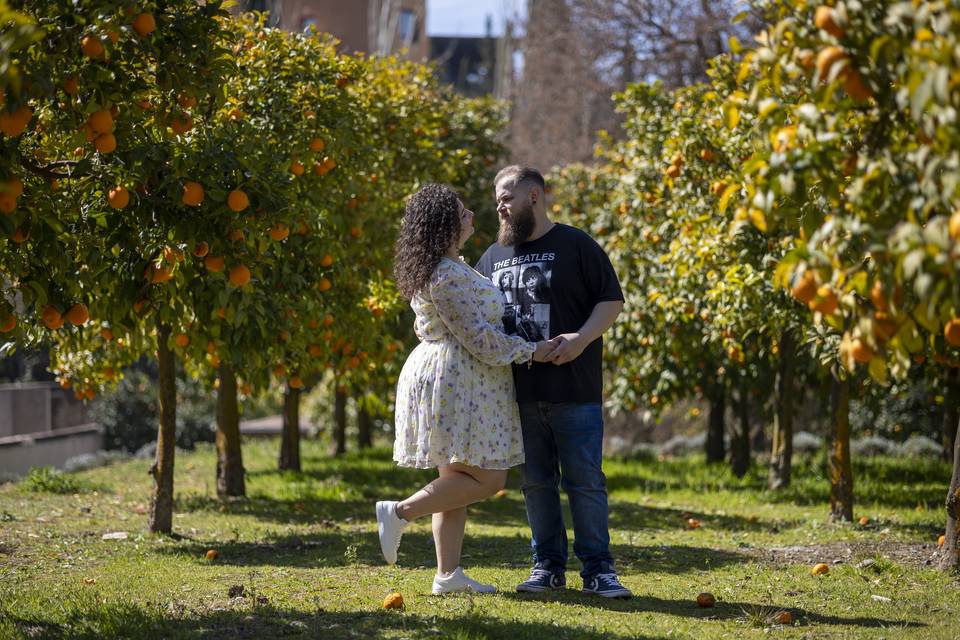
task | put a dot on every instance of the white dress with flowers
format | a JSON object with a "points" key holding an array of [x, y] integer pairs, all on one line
{"points": [[455, 397]]}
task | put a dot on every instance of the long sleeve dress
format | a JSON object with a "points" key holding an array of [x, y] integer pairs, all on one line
{"points": [[455, 397]]}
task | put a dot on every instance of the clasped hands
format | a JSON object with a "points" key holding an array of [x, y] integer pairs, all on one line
{"points": [[560, 349]]}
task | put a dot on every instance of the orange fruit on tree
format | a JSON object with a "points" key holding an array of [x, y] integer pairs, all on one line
{"points": [[327, 320], [105, 143], [239, 275], [356, 231], [827, 59], [673, 171], [819, 569], [118, 197], [237, 201], [883, 325], [201, 249], [213, 263], [315, 350], [20, 236], [92, 47], [279, 370], [144, 24], [222, 313], [186, 100], [941, 541], [825, 19], [855, 87], [70, 85], [826, 301], [877, 296], [162, 274], [101, 121], [279, 231], [317, 145], [326, 260], [954, 225], [182, 340], [77, 314], [393, 601], [951, 332], [192, 194], [8, 323], [296, 168], [706, 155], [295, 382], [106, 333], [324, 284], [13, 123], [51, 317], [181, 124], [861, 351], [235, 235], [806, 288], [706, 600]]}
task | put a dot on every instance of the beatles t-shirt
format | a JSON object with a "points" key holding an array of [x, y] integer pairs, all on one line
{"points": [[550, 286]]}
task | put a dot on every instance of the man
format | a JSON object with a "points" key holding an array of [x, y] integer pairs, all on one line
{"points": [[577, 298]]}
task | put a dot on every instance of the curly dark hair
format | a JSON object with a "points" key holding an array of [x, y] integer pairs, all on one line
{"points": [[431, 223]]}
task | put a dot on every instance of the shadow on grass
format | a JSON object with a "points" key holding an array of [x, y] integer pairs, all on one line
{"points": [[342, 547], [689, 609], [86, 617]]}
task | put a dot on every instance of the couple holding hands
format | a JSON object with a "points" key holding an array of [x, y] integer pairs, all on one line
{"points": [[460, 408]]}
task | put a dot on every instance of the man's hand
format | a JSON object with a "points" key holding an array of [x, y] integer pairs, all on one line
{"points": [[545, 349], [570, 346]]}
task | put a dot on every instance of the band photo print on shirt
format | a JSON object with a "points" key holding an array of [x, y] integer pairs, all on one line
{"points": [[526, 294]]}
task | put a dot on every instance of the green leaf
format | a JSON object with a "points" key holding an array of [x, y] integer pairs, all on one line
{"points": [[727, 194]]}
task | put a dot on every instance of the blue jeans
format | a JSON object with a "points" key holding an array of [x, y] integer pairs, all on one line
{"points": [[563, 443]]}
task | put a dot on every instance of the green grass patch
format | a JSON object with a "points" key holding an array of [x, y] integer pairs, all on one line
{"points": [[299, 556]]}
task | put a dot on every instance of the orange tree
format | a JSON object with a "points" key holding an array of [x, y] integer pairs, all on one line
{"points": [[702, 316], [92, 181], [867, 179]]}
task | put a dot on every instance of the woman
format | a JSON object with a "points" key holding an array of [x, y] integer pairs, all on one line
{"points": [[455, 409]]}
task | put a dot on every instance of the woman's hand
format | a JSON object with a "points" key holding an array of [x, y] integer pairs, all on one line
{"points": [[544, 350]]}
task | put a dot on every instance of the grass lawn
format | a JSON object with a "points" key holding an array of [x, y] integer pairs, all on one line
{"points": [[300, 557]]}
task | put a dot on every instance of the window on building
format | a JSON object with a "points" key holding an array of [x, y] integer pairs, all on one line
{"points": [[407, 26]]}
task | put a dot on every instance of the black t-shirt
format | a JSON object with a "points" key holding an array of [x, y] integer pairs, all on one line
{"points": [[551, 286]]}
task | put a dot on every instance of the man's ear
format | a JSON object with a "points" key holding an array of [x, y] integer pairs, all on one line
{"points": [[535, 194]]}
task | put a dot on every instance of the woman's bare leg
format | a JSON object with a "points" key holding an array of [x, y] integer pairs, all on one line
{"points": [[458, 486], [448, 527]]}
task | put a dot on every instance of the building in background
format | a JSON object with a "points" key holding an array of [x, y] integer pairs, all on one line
{"points": [[377, 27], [476, 66]]}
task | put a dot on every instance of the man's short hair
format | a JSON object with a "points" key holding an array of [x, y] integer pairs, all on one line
{"points": [[515, 174]]}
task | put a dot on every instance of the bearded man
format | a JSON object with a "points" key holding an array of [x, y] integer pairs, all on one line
{"points": [[577, 298]]}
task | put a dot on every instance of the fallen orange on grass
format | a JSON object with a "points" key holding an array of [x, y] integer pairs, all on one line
{"points": [[393, 601], [820, 569], [706, 600], [941, 540], [212, 554], [693, 523], [783, 617], [864, 521]]}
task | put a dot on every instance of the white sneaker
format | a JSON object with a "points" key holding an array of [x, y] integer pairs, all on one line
{"points": [[390, 527], [458, 582]]}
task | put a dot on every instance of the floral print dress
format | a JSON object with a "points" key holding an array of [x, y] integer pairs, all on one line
{"points": [[455, 397]]}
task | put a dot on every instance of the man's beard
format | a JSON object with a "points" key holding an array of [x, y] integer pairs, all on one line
{"points": [[518, 227]]}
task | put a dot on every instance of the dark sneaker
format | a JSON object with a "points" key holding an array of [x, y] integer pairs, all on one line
{"points": [[541, 580], [606, 585]]}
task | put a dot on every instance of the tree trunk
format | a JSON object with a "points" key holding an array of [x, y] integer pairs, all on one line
{"points": [[340, 421], [951, 412], [950, 553], [290, 439], [740, 446], [364, 427], [781, 456], [841, 473], [160, 519], [230, 480], [716, 451]]}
